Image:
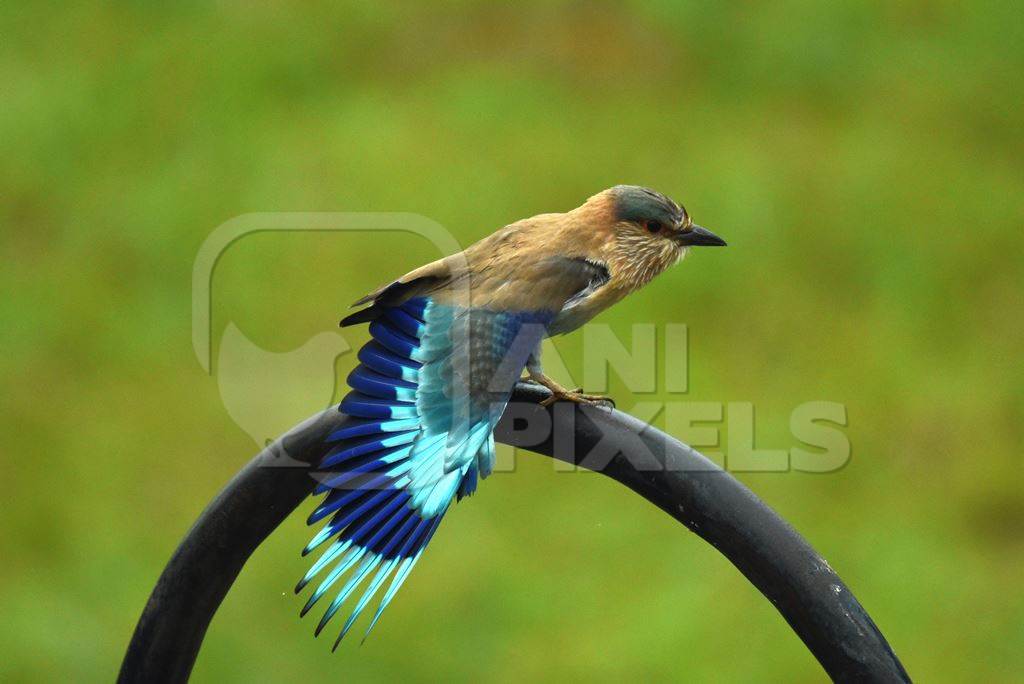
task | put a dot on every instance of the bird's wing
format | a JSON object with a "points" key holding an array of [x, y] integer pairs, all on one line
{"points": [[430, 387], [432, 383], [418, 283]]}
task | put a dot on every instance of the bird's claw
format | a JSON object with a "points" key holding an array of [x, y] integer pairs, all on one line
{"points": [[577, 396]]}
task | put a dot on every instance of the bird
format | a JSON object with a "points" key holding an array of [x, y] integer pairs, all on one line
{"points": [[449, 341]]}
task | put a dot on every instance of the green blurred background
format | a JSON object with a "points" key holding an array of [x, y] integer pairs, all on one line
{"points": [[863, 160]]}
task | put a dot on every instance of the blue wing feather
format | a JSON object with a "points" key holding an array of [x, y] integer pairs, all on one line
{"points": [[432, 383], [372, 426], [378, 357]]}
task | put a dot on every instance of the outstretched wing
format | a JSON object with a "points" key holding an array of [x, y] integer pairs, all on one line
{"points": [[430, 387]]}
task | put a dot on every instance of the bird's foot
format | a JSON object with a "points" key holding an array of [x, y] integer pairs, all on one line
{"points": [[576, 396]]}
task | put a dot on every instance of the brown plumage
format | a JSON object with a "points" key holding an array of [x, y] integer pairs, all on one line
{"points": [[576, 263]]}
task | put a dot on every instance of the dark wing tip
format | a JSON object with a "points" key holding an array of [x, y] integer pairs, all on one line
{"points": [[371, 313]]}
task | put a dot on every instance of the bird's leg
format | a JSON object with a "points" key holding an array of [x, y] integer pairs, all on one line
{"points": [[559, 393]]}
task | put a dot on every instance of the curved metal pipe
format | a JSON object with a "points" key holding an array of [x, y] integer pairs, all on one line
{"points": [[693, 490]]}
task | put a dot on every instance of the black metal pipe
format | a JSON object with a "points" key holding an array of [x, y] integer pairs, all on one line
{"points": [[708, 501]]}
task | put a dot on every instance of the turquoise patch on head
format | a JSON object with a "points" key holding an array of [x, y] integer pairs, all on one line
{"points": [[635, 203]]}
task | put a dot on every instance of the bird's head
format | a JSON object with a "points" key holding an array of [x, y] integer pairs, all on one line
{"points": [[643, 232]]}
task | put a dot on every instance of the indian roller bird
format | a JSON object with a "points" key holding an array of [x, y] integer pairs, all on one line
{"points": [[449, 342]]}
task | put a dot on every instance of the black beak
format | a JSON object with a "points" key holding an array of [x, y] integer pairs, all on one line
{"points": [[699, 236]]}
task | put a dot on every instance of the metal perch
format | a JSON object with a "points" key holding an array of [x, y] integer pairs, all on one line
{"points": [[683, 483]]}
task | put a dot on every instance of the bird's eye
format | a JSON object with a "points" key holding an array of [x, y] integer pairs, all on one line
{"points": [[653, 226]]}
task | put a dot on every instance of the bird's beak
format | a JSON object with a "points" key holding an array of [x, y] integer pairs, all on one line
{"points": [[699, 236]]}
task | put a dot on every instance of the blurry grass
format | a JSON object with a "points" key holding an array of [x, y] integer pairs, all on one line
{"points": [[862, 161]]}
